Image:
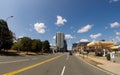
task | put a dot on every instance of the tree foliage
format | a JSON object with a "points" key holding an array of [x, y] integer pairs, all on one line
{"points": [[6, 36], [16, 46], [26, 43], [46, 46], [36, 45]]}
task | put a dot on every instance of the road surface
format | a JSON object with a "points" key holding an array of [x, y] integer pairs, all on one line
{"points": [[53, 64]]}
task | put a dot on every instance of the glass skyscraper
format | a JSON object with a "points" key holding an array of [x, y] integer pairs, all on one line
{"points": [[60, 37]]}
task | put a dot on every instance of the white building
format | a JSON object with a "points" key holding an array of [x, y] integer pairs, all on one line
{"points": [[60, 40]]}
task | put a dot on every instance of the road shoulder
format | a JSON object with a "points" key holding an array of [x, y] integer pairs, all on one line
{"points": [[101, 63]]}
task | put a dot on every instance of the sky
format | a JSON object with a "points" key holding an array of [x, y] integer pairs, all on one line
{"points": [[79, 20]]}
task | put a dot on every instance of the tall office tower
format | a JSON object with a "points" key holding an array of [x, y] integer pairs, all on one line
{"points": [[60, 40]]}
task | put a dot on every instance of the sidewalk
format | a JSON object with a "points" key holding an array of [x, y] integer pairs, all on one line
{"points": [[105, 64]]}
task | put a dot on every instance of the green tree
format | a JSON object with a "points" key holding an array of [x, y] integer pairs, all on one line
{"points": [[46, 46], [16, 46], [36, 45], [26, 44], [6, 36]]}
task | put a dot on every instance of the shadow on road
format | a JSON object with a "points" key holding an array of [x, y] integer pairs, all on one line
{"points": [[3, 53], [8, 53]]}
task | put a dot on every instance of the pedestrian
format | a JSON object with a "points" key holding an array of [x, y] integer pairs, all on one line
{"points": [[104, 52], [112, 56]]}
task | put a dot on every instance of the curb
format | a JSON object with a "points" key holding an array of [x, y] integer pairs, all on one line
{"points": [[94, 65]]}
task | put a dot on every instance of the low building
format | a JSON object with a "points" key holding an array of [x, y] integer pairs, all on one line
{"points": [[82, 46], [54, 49], [75, 47]]}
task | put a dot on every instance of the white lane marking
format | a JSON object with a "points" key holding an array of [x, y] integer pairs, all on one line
{"points": [[18, 60], [63, 70], [34, 58], [14, 61], [67, 57]]}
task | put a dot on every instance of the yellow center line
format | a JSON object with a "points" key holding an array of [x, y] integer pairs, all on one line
{"points": [[32, 66]]}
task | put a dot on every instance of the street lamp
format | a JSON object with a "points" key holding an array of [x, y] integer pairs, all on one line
{"points": [[9, 17]]}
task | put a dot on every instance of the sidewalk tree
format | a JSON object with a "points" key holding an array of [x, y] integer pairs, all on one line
{"points": [[6, 36], [16, 46], [36, 45], [46, 46], [26, 44]]}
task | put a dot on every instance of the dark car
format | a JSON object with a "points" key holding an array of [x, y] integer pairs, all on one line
{"points": [[70, 53]]}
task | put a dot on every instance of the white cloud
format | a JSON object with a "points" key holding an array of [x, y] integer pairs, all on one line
{"points": [[115, 25], [54, 37], [69, 36], [60, 21], [115, 39], [85, 29], [118, 38], [52, 45], [40, 27], [84, 40], [94, 36], [21, 36], [117, 33], [113, 1]]}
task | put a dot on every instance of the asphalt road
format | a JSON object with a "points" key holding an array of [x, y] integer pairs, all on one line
{"points": [[54, 64]]}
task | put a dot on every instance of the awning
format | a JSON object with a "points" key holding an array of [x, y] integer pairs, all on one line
{"points": [[104, 44], [114, 47]]}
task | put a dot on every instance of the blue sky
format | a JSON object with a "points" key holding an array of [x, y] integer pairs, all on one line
{"points": [[80, 20]]}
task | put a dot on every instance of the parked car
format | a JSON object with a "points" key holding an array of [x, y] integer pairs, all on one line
{"points": [[70, 52]]}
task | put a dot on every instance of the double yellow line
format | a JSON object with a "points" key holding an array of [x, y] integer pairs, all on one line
{"points": [[32, 66]]}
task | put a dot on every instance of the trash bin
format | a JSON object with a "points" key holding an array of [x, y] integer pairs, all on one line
{"points": [[108, 56]]}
